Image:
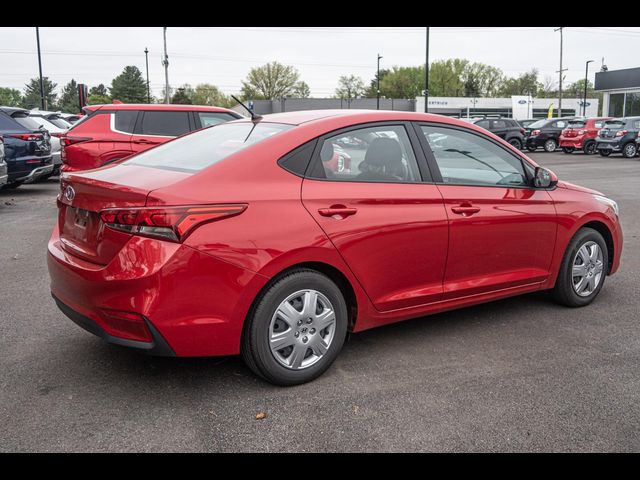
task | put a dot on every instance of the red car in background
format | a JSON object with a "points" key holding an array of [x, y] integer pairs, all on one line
{"points": [[240, 239], [111, 132], [581, 134]]}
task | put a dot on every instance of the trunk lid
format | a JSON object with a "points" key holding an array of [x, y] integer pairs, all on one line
{"points": [[83, 195]]}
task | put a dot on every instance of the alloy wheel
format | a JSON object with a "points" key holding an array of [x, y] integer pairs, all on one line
{"points": [[302, 329], [587, 269]]}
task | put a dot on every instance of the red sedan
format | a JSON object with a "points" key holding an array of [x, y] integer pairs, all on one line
{"points": [[239, 239]]}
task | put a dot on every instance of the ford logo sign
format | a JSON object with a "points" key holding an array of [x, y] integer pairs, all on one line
{"points": [[69, 193], [522, 102]]}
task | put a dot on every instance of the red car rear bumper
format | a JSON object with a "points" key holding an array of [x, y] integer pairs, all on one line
{"points": [[193, 301], [575, 142]]}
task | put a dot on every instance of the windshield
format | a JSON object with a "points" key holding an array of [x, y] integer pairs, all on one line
{"points": [[206, 147], [614, 124], [538, 124]]}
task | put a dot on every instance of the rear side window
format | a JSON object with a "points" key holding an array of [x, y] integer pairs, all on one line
{"points": [[165, 124], [499, 124], [214, 118], [297, 161], [483, 124], [206, 147], [125, 120], [560, 124], [7, 123]]}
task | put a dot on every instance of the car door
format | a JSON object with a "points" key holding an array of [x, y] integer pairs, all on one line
{"points": [[158, 126], [384, 215], [502, 230]]}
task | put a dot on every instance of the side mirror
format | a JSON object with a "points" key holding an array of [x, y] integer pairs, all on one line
{"points": [[544, 178]]}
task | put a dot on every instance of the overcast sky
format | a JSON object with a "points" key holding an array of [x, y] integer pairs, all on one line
{"points": [[223, 55]]}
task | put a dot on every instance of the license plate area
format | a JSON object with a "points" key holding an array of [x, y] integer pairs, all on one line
{"points": [[81, 218]]}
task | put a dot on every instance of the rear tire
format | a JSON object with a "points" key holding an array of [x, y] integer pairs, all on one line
{"points": [[630, 150], [309, 348], [604, 153], [532, 149], [515, 142], [589, 148], [550, 145], [568, 150], [567, 285]]}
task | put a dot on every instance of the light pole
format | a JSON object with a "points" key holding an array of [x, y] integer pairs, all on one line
{"points": [[584, 100], [378, 86], [165, 62], [43, 103], [560, 72], [146, 59], [426, 76]]}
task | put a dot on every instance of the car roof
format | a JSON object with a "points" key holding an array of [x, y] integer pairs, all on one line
{"points": [[157, 106], [355, 117]]}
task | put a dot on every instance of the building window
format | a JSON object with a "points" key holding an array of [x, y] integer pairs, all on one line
{"points": [[616, 105], [632, 104]]}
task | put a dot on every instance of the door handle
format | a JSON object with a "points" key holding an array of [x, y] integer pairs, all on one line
{"points": [[142, 140], [465, 209], [339, 211]]}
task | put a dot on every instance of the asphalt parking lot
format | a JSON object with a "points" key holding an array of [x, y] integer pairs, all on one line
{"points": [[522, 374]]}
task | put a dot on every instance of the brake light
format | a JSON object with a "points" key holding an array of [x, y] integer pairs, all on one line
{"points": [[27, 136], [57, 134], [535, 132], [621, 133], [166, 223], [66, 141]]}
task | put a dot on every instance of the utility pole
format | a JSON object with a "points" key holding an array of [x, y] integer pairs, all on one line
{"points": [[146, 59], [43, 102], [584, 100], [165, 62], [378, 87], [426, 76], [560, 72]]}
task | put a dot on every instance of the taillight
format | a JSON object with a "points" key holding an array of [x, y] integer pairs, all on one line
{"points": [[27, 136], [57, 134], [535, 132], [166, 223], [621, 133], [66, 141]]}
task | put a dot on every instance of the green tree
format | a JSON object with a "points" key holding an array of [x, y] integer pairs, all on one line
{"points": [[446, 78], [401, 82], [576, 89], [97, 99], [301, 90], [372, 89], [270, 81], [129, 86], [207, 94], [350, 87], [481, 80], [99, 90], [69, 99], [524, 84], [10, 97], [31, 97], [183, 95]]}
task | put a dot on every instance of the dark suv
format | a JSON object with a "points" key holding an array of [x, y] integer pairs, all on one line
{"points": [[545, 133], [619, 136], [27, 151], [506, 128]]}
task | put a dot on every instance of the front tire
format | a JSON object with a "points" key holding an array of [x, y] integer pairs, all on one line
{"points": [[604, 153], [589, 148], [583, 269], [550, 145], [515, 142], [296, 329]]}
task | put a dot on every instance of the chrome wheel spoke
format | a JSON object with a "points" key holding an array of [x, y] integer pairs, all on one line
{"points": [[324, 319], [319, 346], [579, 270], [310, 302], [281, 340], [297, 355], [289, 314]]}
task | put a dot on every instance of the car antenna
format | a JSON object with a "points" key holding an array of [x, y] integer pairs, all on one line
{"points": [[254, 116]]}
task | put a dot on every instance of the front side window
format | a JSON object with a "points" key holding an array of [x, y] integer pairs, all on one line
{"points": [[560, 124], [214, 118], [165, 124], [206, 147], [538, 124], [375, 154], [468, 159]]}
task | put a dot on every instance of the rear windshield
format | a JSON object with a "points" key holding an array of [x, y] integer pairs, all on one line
{"points": [[577, 124], [538, 124], [27, 122], [59, 122], [204, 148], [614, 124]]}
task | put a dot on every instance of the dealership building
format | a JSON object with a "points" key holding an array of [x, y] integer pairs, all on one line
{"points": [[621, 92], [518, 106]]}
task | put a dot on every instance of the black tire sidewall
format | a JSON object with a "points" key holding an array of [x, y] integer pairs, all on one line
{"points": [[604, 153], [516, 143], [564, 285], [257, 334], [568, 149], [587, 145]]}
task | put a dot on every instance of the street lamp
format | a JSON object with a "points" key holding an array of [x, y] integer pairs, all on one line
{"points": [[146, 59], [584, 102], [378, 84]]}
